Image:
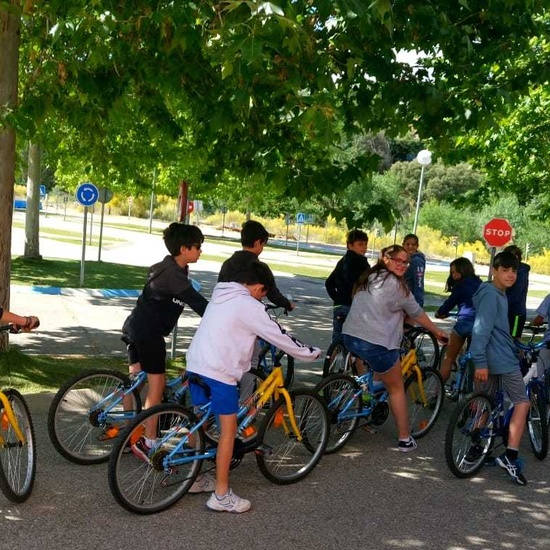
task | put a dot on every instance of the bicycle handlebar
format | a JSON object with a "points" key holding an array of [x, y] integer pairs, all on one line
{"points": [[272, 307], [11, 328]]}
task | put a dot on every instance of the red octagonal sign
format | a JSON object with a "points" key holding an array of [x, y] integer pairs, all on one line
{"points": [[497, 232]]}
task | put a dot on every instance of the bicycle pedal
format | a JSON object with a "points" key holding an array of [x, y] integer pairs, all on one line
{"points": [[371, 429], [263, 450], [109, 433]]}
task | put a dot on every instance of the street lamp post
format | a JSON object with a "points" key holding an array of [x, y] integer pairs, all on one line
{"points": [[424, 158]]}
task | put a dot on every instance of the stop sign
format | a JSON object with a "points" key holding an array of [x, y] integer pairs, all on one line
{"points": [[190, 207], [497, 232]]}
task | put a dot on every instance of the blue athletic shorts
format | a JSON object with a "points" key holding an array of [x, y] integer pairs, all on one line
{"points": [[379, 358], [463, 327], [224, 397]]}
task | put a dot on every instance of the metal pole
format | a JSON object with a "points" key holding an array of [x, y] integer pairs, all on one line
{"points": [[82, 262], [418, 200], [101, 231], [152, 201]]}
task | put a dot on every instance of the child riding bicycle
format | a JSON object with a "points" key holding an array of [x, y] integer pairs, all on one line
{"points": [[220, 354]]}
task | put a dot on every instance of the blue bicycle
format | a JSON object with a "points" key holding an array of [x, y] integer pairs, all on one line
{"points": [[350, 398], [287, 431], [89, 411], [478, 421]]}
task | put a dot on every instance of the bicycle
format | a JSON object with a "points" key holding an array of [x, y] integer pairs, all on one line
{"points": [[87, 413], [338, 360], [537, 377], [17, 442], [270, 355], [288, 442], [479, 420], [350, 398]]}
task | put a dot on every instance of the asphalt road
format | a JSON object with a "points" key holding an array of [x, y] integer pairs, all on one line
{"points": [[366, 496]]}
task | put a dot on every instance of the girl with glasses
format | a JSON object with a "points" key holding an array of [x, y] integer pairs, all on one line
{"points": [[374, 328]]}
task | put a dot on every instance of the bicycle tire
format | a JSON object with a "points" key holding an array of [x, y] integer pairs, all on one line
{"points": [[537, 425], [427, 350], [423, 412], [337, 390], [150, 487], [17, 462], [265, 364], [467, 440], [280, 456], [74, 430], [337, 361]]}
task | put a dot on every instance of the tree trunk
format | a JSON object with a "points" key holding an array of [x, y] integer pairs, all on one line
{"points": [[32, 213], [10, 20]]}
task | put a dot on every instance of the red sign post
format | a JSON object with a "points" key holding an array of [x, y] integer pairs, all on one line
{"points": [[497, 232]]}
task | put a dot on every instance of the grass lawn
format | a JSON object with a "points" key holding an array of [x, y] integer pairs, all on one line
{"points": [[41, 373]]}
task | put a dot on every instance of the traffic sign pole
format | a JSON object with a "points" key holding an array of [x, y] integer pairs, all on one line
{"points": [[83, 258], [87, 195]]}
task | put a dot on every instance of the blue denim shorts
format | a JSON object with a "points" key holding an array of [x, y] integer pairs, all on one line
{"points": [[463, 327], [224, 397], [379, 358]]}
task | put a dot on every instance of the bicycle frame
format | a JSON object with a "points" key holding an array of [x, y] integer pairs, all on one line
{"points": [[8, 410], [114, 399], [271, 386]]}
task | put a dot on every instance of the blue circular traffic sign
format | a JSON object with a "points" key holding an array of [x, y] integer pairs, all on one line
{"points": [[87, 194]]}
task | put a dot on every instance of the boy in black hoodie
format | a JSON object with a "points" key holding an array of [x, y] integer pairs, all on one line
{"points": [[341, 281]]}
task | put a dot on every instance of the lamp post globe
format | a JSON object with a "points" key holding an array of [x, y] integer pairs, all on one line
{"points": [[424, 158]]}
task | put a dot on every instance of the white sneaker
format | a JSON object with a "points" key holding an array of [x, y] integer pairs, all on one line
{"points": [[228, 503], [205, 483]]}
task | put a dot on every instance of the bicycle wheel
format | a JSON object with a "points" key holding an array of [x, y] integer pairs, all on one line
{"points": [[427, 350], [537, 424], [86, 415], [338, 391], [337, 360], [470, 435], [265, 363], [17, 460], [424, 400], [148, 487], [281, 457]]}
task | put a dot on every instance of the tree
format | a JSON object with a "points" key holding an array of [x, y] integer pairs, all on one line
{"points": [[9, 46]]}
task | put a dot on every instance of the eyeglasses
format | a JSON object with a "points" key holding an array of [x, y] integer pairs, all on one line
{"points": [[399, 261]]}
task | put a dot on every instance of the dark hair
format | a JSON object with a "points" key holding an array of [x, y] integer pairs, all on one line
{"points": [[179, 234], [515, 250], [356, 235], [506, 260], [252, 231], [464, 267], [410, 236], [380, 270], [256, 273]]}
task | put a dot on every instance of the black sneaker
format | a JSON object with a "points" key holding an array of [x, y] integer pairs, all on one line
{"points": [[407, 446], [513, 468]]}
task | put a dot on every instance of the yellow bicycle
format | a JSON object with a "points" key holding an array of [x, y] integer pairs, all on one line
{"points": [[287, 431], [17, 443]]}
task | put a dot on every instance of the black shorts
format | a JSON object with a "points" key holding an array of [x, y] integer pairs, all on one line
{"points": [[150, 353]]}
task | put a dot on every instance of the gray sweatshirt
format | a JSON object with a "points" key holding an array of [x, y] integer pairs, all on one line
{"points": [[492, 346], [377, 314]]}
